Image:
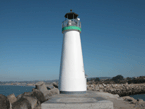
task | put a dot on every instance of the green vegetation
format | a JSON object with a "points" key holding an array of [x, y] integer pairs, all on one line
{"points": [[97, 79], [140, 79], [119, 79]]}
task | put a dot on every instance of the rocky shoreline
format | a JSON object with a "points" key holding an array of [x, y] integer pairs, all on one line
{"points": [[120, 89], [29, 100], [117, 93]]}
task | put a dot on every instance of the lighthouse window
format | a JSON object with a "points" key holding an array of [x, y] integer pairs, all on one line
{"points": [[71, 22]]}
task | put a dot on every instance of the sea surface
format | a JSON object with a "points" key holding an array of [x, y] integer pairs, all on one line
{"points": [[17, 90], [138, 96]]}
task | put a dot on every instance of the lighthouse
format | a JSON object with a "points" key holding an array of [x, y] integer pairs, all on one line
{"points": [[72, 78]]}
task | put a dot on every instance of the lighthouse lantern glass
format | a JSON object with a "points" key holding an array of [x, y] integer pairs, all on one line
{"points": [[71, 22]]}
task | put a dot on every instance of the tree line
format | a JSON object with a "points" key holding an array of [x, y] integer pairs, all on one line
{"points": [[119, 79]]}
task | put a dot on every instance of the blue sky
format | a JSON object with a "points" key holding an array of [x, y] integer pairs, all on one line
{"points": [[113, 37]]}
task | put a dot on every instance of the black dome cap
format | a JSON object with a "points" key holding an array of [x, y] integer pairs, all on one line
{"points": [[71, 15]]}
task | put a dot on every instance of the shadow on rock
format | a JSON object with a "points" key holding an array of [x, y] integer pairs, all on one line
{"points": [[4, 102], [32, 100], [22, 103], [39, 95]]}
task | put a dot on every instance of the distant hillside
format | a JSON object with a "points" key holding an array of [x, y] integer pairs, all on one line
{"points": [[101, 78], [56, 80], [34, 81], [51, 80]]}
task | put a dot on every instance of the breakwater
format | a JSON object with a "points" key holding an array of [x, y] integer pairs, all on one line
{"points": [[120, 89], [27, 100]]}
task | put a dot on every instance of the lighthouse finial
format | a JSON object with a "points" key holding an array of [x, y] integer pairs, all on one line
{"points": [[70, 10]]}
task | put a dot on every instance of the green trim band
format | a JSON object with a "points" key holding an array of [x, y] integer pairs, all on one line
{"points": [[71, 28]]}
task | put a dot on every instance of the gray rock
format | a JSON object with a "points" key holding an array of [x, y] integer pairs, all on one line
{"points": [[41, 86], [130, 99], [39, 95], [38, 107], [116, 95], [32, 100], [55, 84], [47, 94], [101, 86], [19, 96], [97, 88], [27, 93], [22, 103], [54, 91], [10, 106], [92, 85], [34, 89], [50, 87], [112, 85], [126, 83], [111, 89], [104, 85], [140, 101], [4, 102], [89, 88], [12, 98]]}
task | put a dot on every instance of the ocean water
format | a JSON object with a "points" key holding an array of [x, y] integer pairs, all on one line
{"points": [[138, 96], [17, 90]]}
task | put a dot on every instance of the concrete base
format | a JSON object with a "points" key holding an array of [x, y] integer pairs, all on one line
{"points": [[89, 100]]}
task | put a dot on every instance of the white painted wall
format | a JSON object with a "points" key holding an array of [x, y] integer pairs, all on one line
{"points": [[72, 74]]}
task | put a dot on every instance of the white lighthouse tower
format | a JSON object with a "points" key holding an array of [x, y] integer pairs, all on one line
{"points": [[72, 75]]}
